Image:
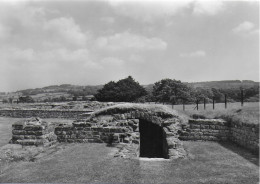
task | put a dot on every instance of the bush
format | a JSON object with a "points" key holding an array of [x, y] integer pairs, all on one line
{"points": [[125, 90]]}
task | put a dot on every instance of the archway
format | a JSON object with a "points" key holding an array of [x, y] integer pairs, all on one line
{"points": [[152, 143]]}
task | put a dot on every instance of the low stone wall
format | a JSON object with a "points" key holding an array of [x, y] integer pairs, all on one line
{"points": [[206, 130], [246, 135], [32, 131], [122, 126], [18, 113], [123, 131]]}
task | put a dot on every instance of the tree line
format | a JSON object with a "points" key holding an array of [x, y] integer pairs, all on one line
{"points": [[171, 91]]}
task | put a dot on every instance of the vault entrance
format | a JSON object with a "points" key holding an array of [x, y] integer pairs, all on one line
{"points": [[151, 140]]}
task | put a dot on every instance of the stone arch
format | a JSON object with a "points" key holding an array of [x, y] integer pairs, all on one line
{"points": [[120, 123], [158, 117]]}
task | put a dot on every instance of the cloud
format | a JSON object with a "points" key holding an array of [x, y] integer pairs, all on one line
{"points": [[149, 11], [27, 68], [208, 7], [4, 32], [112, 61], [195, 54], [246, 28], [107, 20], [65, 29], [126, 40], [38, 27]]}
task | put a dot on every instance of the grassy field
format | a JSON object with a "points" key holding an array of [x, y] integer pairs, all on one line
{"points": [[249, 113], [208, 162]]}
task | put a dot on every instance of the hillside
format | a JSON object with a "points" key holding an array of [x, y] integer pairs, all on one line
{"points": [[227, 84], [68, 91]]}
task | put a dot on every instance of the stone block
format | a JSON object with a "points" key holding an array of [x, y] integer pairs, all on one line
{"points": [[106, 129], [18, 132], [15, 137], [204, 126], [33, 127], [29, 136], [194, 126], [212, 127], [135, 141], [136, 121]]}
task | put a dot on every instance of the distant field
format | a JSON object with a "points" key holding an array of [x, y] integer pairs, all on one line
{"points": [[248, 113]]}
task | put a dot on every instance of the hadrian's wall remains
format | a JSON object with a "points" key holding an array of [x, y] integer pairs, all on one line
{"points": [[243, 134], [115, 125], [19, 113]]}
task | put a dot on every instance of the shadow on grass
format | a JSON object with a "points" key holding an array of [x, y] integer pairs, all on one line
{"points": [[253, 158]]}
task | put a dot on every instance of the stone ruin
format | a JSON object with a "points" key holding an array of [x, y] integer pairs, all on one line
{"points": [[147, 131], [33, 131], [153, 131]]}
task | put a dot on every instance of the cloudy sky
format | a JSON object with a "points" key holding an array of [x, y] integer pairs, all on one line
{"points": [[92, 42]]}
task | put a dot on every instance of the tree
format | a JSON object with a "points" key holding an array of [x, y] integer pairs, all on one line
{"points": [[5, 100], [173, 91], [203, 93], [125, 90], [25, 99]]}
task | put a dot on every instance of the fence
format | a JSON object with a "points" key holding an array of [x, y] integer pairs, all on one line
{"points": [[205, 105]]}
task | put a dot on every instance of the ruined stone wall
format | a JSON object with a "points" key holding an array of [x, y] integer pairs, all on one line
{"points": [[245, 135], [118, 126], [81, 132], [18, 113], [32, 131], [206, 130]]}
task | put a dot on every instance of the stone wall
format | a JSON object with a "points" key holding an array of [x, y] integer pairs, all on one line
{"points": [[246, 135], [206, 130], [18, 113], [123, 131], [122, 126], [243, 134], [32, 131]]}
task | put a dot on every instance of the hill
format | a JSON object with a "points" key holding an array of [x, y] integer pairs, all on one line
{"points": [[226, 84], [68, 91]]}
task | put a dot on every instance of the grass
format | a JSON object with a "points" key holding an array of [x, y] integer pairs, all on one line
{"points": [[6, 129], [208, 162], [248, 114]]}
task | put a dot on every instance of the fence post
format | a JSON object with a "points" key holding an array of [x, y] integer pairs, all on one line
{"points": [[197, 104], [242, 97], [213, 103], [225, 101], [204, 103]]}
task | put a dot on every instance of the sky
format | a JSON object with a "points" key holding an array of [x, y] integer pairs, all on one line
{"points": [[85, 42]]}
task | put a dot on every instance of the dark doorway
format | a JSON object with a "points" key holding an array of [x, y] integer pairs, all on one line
{"points": [[151, 140]]}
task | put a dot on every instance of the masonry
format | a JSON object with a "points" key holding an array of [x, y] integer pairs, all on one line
{"points": [[33, 131], [125, 124], [158, 131], [243, 134], [42, 113]]}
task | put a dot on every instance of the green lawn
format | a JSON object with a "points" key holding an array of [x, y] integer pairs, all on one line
{"points": [[208, 162]]}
